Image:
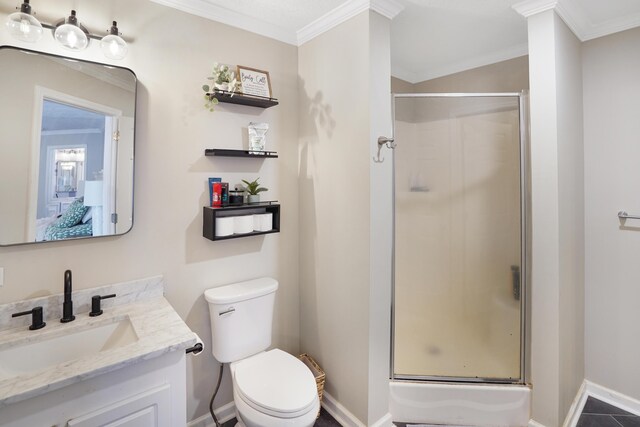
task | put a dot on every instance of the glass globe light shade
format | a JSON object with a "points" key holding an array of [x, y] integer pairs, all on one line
{"points": [[25, 27], [113, 46], [71, 37]]}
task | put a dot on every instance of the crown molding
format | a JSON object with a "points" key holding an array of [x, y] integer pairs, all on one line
{"points": [[457, 67], [576, 19], [205, 9], [387, 8], [527, 8], [213, 12]]}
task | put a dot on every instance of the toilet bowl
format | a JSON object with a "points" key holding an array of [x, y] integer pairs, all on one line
{"points": [[270, 388], [273, 389]]}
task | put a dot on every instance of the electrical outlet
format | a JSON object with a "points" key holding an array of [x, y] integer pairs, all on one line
{"points": [[1, 277]]}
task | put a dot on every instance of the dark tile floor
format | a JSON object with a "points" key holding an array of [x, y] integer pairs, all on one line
{"points": [[325, 420], [599, 414]]}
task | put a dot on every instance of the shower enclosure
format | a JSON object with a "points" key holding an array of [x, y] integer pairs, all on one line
{"points": [[459, 254]]}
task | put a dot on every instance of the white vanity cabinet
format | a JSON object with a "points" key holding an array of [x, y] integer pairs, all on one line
{"points": [[150, 393]]}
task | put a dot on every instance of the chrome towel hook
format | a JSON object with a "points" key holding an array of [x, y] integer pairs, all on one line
{"points": [[382, 141]]}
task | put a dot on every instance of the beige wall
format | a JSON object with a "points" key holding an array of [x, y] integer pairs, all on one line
{"points": [[381, 208], [557, 223], [400, 86], [334, 208], [611, 112], [173, 129], [571, 221], [345, 220], [505, 76]]}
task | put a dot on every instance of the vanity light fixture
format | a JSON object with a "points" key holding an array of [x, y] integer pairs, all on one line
{"points": [[68, 32], [70, 35], [23, 25]]}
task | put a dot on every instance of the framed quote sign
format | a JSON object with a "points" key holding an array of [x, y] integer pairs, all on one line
{"points": [[254, 82]]}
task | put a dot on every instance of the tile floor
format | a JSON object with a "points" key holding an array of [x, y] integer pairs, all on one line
{"points": [[599, 414]]}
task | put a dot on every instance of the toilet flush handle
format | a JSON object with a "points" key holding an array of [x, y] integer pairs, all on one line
{"points": [[227, 311]]}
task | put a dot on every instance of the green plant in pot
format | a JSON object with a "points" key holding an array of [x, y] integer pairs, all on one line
{"points": [[223, 79], [253, 189]]}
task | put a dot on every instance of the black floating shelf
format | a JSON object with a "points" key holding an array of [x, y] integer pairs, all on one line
{"points": [[240, 153], [209, 215], [241, 99]]}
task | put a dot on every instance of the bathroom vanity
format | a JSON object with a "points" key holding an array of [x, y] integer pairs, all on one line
{"points": [[126, 367]]}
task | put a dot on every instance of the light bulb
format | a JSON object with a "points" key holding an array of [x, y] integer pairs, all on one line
{"points": [[113, 46], [70, 35], [23, 26]]}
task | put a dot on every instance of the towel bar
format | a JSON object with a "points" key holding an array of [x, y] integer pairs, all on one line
{"points": [[625, 215]]}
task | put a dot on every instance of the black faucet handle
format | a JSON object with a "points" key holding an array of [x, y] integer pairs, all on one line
{"points": [[36, 317], [95, 304]]}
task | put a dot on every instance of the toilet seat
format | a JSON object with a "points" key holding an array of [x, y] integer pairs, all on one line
{"points": [[276, 383]]}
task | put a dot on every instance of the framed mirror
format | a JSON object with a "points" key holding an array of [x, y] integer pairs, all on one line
{"points": [[66, 148]]}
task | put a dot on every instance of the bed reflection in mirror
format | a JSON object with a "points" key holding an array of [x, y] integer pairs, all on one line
{"points": [[66, 148]]}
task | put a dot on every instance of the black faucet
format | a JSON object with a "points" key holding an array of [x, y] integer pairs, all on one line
{"points": [[36, 317], [67, 305]]}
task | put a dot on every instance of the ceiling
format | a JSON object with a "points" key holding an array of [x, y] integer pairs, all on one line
{"points": [[429, 38]]}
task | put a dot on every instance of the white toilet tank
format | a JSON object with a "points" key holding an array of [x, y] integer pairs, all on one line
{"points": [[241, 318]]}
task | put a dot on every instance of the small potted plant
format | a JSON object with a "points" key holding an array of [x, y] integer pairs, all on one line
{"points": [[224, 80], [253, 189]]}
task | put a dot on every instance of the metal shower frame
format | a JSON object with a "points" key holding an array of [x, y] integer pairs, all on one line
{"points": [[524, 236]]}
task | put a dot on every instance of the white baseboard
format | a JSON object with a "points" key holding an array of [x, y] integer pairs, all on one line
{"points": [[385, 421], [612, 397], [346, 418], [576, 407], [223, 413], [604, 394], [534, 423], [340, 413]]}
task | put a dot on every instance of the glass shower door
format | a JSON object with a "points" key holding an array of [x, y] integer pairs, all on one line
{"points": [[458, 238]]}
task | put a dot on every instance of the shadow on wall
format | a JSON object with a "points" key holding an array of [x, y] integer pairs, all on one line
{"points": [[316, 123]]}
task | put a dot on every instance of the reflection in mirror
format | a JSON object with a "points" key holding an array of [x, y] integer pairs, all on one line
{"points": [[66, 148]]}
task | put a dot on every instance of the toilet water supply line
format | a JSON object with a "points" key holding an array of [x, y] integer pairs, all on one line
{"points": [[195, 350], [384, 141], [215, 420]]}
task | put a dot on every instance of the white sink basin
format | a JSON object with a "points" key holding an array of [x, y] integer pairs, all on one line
{"points": [[36, 356]]}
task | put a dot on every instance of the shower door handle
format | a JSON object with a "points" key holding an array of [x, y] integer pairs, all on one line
{"points": [[515, 281]]}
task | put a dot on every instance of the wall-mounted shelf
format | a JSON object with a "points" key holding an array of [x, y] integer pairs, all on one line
{"points": [[210, 214], [240, 153], [240, 99]]}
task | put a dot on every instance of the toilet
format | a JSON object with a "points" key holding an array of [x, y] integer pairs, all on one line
{"points": [[270, 388]]}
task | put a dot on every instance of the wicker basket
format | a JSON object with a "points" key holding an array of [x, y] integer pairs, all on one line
{"points": [[317, 372]]}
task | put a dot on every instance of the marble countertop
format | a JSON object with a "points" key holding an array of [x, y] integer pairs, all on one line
{"points": [[159, 329]]}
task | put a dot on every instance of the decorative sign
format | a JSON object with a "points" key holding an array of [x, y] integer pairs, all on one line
{"points": [[254, 82]]}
